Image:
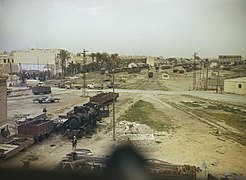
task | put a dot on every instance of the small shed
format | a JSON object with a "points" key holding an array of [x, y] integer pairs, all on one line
{"points": [[165, 76], [235, 86]]}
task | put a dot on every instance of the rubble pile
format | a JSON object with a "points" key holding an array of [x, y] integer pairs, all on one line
{"points": [[140, 135]]}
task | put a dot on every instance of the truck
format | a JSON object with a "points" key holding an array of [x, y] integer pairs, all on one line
{"points": [[41, 90], [32, 82]]}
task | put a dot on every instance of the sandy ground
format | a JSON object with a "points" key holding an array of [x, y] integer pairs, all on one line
{"points": [[191, 142]]}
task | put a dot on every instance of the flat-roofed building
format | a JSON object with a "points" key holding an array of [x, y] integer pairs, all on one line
{"points": [[227, 59], [7, 63], [35, 59], [235, 86]]}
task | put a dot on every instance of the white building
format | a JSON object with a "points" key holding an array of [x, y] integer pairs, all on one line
{"points": [[235, 86], [35, 59], [7, 63], [151, 61], [155, 61]]}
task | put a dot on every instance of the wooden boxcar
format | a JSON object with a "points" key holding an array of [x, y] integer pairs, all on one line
{"points": [[36, 129], [103, 98]]}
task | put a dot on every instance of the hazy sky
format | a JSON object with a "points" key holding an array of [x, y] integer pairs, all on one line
{"points": [[134, 27]]}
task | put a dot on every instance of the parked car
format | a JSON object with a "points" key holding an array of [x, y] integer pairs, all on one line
{"points": [[46, 99], [91, 86], [95, 86]]}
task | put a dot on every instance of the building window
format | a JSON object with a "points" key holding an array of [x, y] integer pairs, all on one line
{"points": [[8, 60], [4, 61], [239, 85], [12, 61]]}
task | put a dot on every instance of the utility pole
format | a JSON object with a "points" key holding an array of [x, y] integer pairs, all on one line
{"points": [[84, 74], [113, 105], [206, 81], [200, 74], [194, 71], [38, 63], [217, 80], [11, 73]]}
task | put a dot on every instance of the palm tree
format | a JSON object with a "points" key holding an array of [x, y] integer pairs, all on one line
{"points": [[111, 63], [93, 55], [63, 56], [104, 60], [98, 57]]}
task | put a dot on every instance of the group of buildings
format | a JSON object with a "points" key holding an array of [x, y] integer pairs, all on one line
{"points": [[48, 59], [36, 59]]}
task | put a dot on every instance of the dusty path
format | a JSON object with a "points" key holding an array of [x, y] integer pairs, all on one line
{"points": [[193, 143]]}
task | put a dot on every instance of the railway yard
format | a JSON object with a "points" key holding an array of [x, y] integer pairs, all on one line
{"points": [[162, 118]]}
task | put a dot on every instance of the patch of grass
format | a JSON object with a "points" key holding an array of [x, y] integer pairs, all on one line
{"points": [[191, 104], [135, 86], [240, 138], [226, 109], [235, 120], [143, 112]]}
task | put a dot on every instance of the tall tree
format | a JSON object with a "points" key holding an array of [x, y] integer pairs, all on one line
{"points": [[63, 56], [112, 62], [93, 55]]}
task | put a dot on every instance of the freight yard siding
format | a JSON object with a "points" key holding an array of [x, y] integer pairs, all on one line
{"points": [[3, 101], [235, 86]]}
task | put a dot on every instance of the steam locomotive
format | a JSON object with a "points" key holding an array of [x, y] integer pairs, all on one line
{"points": [[82, 120]]}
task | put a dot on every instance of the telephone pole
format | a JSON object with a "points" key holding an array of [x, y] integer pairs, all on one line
{"points": [[38, 63], [206, 80], [217, 79], [194, 71], [84, 74], [113, 109], [113, 102]]}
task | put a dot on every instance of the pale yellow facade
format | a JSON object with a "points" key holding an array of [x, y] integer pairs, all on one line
{"points": [[7, 64], [235, 86], [36, 56]]}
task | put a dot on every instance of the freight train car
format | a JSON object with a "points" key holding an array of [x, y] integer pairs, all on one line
{"points": [[12, 145], [37, 128], [104, 98]]}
